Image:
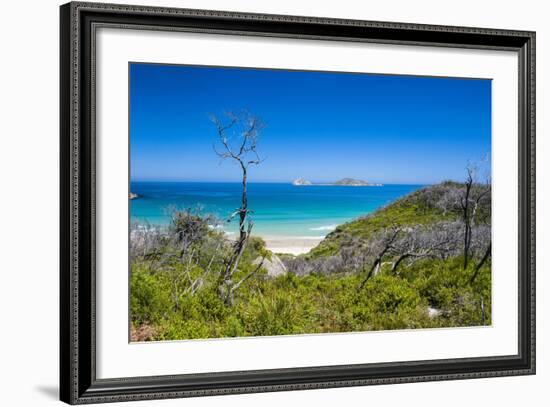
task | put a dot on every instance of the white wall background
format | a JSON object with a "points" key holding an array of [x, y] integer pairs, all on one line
{"points": [[29, 163]]}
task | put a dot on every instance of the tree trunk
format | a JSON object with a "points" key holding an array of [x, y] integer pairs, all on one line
{"points": [[375, 268], [398, 262], [245, 154], [244, 208], [481, 263], [467, 238], [466, 219]]}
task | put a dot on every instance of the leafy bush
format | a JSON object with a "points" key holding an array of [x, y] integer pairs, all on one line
{"points": [[150, 300]]}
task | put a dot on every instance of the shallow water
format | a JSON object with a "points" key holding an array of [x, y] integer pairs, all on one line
{"points": [[279, 209]]}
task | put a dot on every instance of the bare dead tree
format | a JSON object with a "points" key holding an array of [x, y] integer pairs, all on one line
{"points": [[465, 205], [410, 247], [419, 242], [384, 245], [238, 140], [469, 203]]}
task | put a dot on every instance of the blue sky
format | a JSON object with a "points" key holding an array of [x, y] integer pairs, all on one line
{"points": [[320, 126]]}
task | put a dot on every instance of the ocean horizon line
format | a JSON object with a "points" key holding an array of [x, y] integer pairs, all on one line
{"points": [[315, 183]]}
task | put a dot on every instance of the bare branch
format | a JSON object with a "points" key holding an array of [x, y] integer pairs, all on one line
{"points": [[254, 271], [246, 127]]}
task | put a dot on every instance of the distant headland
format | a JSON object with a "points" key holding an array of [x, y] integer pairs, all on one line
{"points": [[347, 182]]}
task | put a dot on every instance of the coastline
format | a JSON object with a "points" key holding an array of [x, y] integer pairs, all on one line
{"points": [[283, 213], [291, 220], [294, 245]]}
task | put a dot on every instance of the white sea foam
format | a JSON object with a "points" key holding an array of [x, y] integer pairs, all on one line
{"points": [[327, 227], [216, 227]]}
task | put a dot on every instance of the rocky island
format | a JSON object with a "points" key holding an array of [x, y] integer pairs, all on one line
{"points": [[301, 182], [131, 195], [348, 182]]}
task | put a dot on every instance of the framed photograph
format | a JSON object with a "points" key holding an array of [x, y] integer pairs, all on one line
{"points": [[255, 203]]}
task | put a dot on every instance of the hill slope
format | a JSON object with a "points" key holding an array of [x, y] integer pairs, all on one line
{"points": [[427, 206]]}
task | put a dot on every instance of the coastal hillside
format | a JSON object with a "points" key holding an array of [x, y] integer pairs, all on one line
{"points": [[429, 206]]}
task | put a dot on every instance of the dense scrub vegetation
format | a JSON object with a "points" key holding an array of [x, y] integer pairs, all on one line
{"points": [[422, 262], [291, 304], [425, 207]]}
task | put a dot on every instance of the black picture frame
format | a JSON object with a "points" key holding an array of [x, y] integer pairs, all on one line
{"points": [[78, 382]]}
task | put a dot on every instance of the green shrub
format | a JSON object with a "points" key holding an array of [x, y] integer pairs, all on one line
{"points": [[150, 300], [390, 302]]}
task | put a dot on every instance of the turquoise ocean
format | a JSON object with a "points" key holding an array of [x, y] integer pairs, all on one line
{"points": [[280, 209]]}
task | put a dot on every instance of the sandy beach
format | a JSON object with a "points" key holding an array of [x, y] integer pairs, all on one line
{"points": [[291, 245], [287, 244]]}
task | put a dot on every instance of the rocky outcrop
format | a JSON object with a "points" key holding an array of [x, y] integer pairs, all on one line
{"points": [[131, 195], [274, 267], [301, 182]]}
